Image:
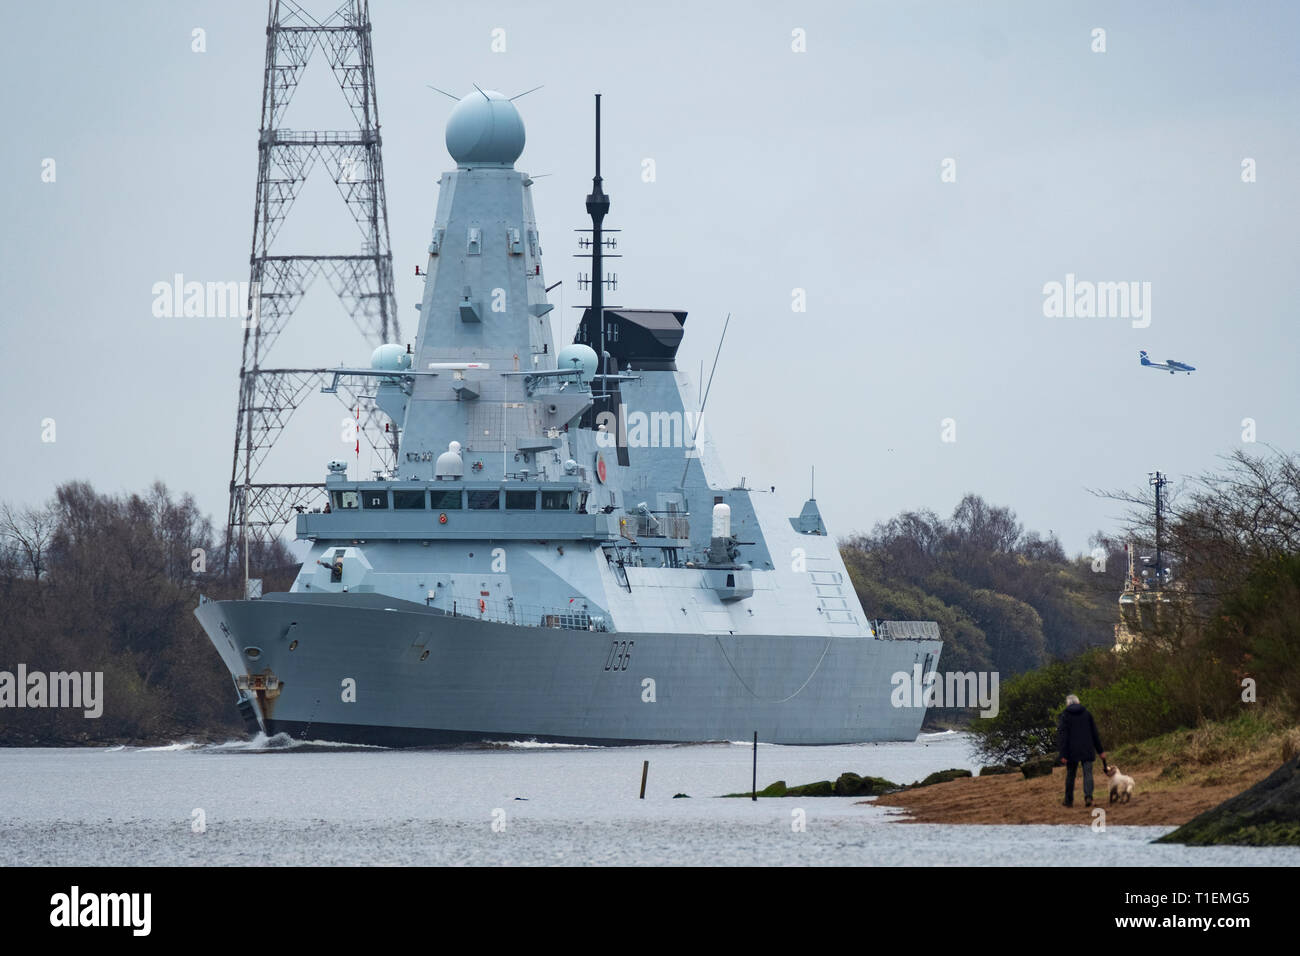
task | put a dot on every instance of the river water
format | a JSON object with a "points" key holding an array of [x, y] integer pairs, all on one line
{"points": [[271, 802]]}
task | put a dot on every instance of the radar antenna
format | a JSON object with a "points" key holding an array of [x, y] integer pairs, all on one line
{"points": [[1158, 481], [597, 207]]}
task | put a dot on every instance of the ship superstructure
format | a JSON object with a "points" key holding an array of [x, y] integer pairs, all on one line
{"points": [[557, 555]]}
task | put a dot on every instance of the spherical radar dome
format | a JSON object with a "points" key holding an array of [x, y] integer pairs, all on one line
{"points": [[485, 129], [575, 355], [390, 358], [449, 464]]}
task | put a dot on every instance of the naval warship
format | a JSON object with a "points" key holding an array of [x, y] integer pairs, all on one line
{"points": [[557, 555]]}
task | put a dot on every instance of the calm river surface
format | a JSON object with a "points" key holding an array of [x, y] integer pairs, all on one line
{"points": [[272, 803]]}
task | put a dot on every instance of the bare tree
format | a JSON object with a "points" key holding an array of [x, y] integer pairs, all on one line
{"points": [[28, 532]]}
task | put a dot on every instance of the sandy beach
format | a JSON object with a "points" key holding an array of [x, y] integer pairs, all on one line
{"points": [[1011, 799]]}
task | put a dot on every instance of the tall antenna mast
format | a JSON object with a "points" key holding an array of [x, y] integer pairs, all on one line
{"points": [[597, 207], [1158, 481], [699, 422]]}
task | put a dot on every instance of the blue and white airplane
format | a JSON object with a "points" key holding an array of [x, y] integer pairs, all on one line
{"points": [[1168, 365]]}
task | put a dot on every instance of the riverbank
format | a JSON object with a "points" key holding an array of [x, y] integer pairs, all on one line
{"points": [[1176, 777]]}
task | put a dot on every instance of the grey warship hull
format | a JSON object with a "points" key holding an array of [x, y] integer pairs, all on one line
{"points": [[452, 679], [554, 551]]}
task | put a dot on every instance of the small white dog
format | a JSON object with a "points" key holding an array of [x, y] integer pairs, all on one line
{"points": [[1121, 786]]}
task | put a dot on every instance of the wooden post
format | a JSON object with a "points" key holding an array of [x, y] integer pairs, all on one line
{"points": [[754, 793], [645, 771]]}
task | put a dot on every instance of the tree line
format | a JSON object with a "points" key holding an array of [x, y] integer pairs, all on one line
{"points": [[108, 583], [1006, 599]]}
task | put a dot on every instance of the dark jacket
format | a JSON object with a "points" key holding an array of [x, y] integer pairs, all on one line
{"points": [[1076, 735]]}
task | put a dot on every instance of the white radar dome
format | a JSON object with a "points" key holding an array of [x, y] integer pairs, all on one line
{"points": [[390, 358], [577, 355], [721, 521], [449, 464], [485, 129]]}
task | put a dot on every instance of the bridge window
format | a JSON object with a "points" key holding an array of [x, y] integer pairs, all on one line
{"points": [[445, 500], [555, 501], [485, 500], [345, 500], [408, 500], [521, 501], [374, 500]]}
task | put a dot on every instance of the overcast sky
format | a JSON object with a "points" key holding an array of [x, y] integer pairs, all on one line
{"points": [[775, 170]]}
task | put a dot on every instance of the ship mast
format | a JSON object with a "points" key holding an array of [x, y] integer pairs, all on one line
{"points": [[597, 207]]}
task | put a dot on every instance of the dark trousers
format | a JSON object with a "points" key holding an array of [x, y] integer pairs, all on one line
{"points": [[1071, 767]]}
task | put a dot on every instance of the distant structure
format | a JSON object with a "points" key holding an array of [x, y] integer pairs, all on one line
{"points": [[1150, 600], [1144, 608], [362, 278]]}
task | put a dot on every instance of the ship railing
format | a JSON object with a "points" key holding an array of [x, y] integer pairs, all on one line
{"points": [[907, 630], [557, 383], [572, 617], [658, 524]]}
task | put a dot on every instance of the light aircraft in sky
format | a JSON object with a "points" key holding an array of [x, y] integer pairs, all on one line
{"points": [[1169, 365]]}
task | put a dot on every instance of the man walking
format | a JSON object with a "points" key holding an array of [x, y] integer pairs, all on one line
{"points": [[1078, 743]]}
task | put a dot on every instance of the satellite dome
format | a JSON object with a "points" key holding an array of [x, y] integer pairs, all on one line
{"points": [[449, 464], [485, 129], [577, 355], [390, 358]]}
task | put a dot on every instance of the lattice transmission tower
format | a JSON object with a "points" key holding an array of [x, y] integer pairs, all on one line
{"points": [[362, 280]]}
